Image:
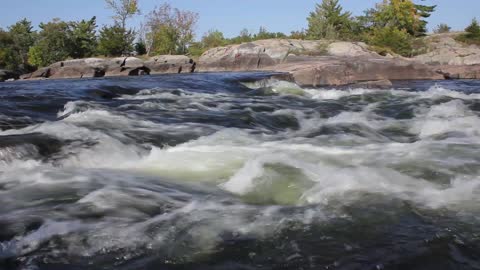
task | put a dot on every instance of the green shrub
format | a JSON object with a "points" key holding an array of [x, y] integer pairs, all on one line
{"points": [[398, 41], [381, 50], [472, 34], [35, 57], [473, 30], [442, 28], [140, 48], [196, 50]]}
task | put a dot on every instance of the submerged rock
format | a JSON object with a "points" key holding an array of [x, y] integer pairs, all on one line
{"points": [[460, 72], [380, 84]]}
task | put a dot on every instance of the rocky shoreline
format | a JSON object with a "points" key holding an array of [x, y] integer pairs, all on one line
{"points": [[310, 63]]}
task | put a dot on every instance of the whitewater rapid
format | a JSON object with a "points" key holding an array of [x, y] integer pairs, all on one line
{"points": [[117, 180]]}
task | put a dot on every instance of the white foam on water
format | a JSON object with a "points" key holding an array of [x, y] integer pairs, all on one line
{"points": [[452, 116], [239, 162], [338, 94], [278, 87], [155, 93], [236, 159], [210, 158], [436, 92]]}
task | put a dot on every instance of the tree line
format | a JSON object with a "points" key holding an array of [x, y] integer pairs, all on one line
{"points": [[391, 26]]}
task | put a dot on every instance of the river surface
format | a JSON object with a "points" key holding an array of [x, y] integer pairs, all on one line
{"points": [[216, 171]]}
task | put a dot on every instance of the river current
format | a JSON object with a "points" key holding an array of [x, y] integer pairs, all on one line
{"points": [[238, 171]]}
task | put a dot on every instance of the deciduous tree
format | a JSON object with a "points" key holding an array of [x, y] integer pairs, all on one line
{"points": [[403, 14], [53, 44], [123, 9], [170, 30], [8, 58], [213, 38]]}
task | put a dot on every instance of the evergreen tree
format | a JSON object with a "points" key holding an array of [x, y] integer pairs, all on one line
{"points": [[264, 34], [140, 47], [328, 21], [83, 38], [422, 12], [115, 41], [23, 37], [473, 30]]}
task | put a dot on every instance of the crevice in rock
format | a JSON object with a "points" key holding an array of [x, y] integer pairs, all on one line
{"points": [[98, 72], [194, 66], [124, 62], [139, 71]]}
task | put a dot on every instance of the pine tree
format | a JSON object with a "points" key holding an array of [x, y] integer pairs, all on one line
{"points": [[473, 30], [115, 41], [23, 38], [328, 21], [422, 12], [83, 38]]}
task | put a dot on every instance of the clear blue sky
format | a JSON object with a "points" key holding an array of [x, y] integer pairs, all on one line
{"points": [[229, 16]]}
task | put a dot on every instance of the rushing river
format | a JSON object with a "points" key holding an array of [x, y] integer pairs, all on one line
{"points": [[215, 171]]}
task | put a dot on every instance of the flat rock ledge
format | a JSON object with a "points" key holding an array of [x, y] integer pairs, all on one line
{"points": [[308, 63], [325, 63], [109, 67]]}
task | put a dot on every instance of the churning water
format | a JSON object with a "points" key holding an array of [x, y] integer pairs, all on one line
{"points": [[216, 171]]}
